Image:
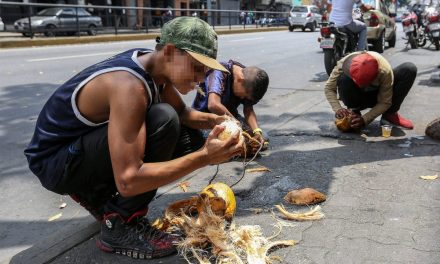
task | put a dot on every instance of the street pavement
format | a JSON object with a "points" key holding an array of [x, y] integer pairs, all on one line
{"points": [[378, 210]]}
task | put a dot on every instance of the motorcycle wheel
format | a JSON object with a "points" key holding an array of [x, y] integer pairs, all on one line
{"points": [[421, 41], [436, 43], [331, 57], [412, 41]]}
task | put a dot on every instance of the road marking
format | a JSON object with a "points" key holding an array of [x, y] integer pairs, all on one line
{"points": [[74, 56], [246, 39]]}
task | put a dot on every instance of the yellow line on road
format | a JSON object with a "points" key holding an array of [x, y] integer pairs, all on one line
{"points": [[246, 39]]}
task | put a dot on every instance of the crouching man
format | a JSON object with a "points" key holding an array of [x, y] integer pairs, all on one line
{"points": [[116, 132], [366, 80], [222, 93]]}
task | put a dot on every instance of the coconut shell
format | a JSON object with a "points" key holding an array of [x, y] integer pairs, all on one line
{"points": [[433, 129], [343, 124], [221, 198], [305, 196], [187, 206]]}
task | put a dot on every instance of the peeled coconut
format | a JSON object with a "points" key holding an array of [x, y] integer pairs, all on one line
{"points": [[221, 198], [218, 196], [231, 127]]}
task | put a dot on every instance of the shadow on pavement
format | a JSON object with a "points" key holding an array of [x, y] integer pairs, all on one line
{"points": [[19, 108]]}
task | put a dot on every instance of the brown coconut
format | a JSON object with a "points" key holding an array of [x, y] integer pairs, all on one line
{"points": [[304, 196], [433, 129], [343, 124]]}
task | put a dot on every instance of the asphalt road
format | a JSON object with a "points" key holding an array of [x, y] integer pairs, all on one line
{"points": [[293, 61]]}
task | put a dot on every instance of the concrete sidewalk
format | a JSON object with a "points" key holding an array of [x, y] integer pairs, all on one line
{"points": [[378, 210]]}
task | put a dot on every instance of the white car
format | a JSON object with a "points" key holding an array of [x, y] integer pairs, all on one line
{"points": [[2, 25], [306, 16]]}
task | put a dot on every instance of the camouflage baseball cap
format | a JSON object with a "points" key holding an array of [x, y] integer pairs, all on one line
{"points": [[194, 36]]}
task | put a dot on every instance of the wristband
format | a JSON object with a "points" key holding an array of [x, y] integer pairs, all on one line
{"points": [[257, 130]]}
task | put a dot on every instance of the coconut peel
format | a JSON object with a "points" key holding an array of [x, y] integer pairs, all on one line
{"points": [[313, 214], [306, 196], [206, 237]]}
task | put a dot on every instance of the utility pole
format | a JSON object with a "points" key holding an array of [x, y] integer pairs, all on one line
{"points": [[209, 7]]}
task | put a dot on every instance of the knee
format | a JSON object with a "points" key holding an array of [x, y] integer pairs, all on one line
{"points": [[364, 27], [163, 117], [406, 71], [410, 68]]}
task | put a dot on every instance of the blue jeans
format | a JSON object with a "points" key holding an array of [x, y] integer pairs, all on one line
{"points": [[359, 28]]}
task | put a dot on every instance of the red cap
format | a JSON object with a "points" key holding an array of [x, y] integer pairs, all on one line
{"points": [[363, 69]]}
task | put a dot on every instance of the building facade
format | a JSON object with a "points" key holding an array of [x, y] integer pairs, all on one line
{"points": [[133, 18]]}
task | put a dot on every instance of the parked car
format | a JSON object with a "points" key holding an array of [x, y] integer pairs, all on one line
{"points": [[2, 25], [51, 21], [277, 21], [381, 27], [272, 21], [306, 16]]}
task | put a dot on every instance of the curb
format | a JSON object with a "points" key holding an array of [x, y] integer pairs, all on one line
{"points": [[109, 38], [54, 245]]}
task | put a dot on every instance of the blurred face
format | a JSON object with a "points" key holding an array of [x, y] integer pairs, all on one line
{"points": [[242, 92], [187, 72], [239, 88]]}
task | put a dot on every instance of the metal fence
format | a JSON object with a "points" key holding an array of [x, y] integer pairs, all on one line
{"points": [[50, 20]]}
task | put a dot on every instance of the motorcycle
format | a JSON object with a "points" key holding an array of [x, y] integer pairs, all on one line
{"points": [[432, 26], [414, 33], [336, 43]]}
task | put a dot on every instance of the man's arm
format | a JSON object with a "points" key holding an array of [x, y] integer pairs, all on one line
{"points": [[362, 6], [331, 88], [127, 138], [250, 116], [215, 105]]}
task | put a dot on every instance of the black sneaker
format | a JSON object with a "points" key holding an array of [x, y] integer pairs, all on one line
{"points": [[135, 239]]}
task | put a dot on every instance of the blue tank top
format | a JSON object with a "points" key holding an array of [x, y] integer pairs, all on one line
{"points": [[60, 123]]}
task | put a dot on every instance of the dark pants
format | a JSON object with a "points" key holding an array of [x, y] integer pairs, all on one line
{"points": [[359, 99], [89, 179]]}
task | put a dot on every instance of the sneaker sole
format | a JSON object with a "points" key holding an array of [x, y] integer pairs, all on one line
{"points": [[135, 254]]}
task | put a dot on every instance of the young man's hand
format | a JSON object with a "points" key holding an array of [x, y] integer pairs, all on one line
{"points": [[341, 113], [218, 151], [357, 122], [366, 7], [259, 137]]}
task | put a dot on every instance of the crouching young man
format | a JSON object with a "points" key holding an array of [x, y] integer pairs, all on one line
{"points": [[117, 131], [222, 93]]}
